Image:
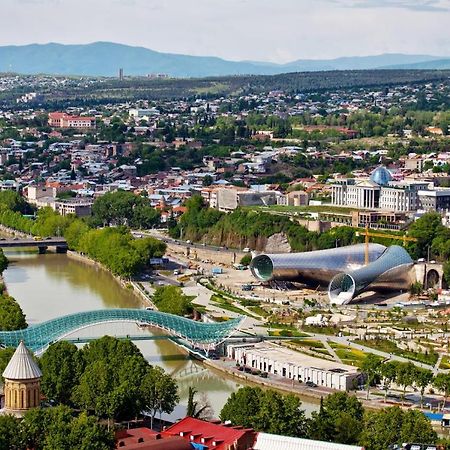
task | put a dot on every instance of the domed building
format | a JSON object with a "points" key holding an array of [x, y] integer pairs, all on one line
{"points": [[22, 387], [379, 192], [381, 176]]}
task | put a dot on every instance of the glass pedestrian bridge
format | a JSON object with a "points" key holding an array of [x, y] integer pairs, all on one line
{"points": [[201, 335]]}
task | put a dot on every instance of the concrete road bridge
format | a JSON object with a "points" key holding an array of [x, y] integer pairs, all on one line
{"points": [[41, 244]]}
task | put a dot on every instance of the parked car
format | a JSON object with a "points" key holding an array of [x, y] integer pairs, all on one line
{"points": [[311, 384]]}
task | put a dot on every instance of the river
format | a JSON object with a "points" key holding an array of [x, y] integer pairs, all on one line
{"points": [[52, 285]]}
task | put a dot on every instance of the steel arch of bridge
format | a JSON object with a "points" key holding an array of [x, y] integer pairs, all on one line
{"points": [[197, 334]]}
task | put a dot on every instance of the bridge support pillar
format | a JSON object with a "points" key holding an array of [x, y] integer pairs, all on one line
{"points": [[42, 250], [61, 249]]}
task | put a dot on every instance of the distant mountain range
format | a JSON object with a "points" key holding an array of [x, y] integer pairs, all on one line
{"points": [[105, 59]]}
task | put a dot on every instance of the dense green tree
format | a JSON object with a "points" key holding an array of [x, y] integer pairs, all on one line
{"points": [[170, 299], [9, 433], [242, 406], [59, 428], [11, 314], [339, 419], [74, 232], [281, 414], [124, 208], [266, 411], [110, 383], [425, 230], [395, 426], [60, 366], [13, 201], [87, 434]]}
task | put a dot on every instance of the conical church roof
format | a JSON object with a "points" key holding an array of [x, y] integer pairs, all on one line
{"points": [[22, 366]]}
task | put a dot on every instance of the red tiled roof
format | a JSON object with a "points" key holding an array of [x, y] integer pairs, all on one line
{"points": [[214, 436], [147, 439]]}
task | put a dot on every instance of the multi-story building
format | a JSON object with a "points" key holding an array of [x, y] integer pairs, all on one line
{"points": [[78, 207], [230, 199], [436, 200], [64, 120], [380, 192]]}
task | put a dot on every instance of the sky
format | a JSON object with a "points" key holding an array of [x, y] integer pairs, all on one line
{"points": [[259, 30]]}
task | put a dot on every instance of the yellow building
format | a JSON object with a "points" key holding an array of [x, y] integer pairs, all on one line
{"points": [[22, 387]]}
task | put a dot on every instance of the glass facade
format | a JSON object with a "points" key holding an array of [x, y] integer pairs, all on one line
{"points": [[312, 267], [198, 334], [389, 270]]}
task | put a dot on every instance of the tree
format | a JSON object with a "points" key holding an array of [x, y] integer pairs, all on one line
{"points": [[246, 260], [425, 229], [340, 419], [111, 380], [442, 382], [193, 407], [207, 180], [3, 262], [11, 314], [9, 433], [322, 426], [405, 376], [60, 366], [423, 379], [280, 414], [242, 406], [5, 356], [394, 426], [87, 434], [389, 373], [159, 392], [266, 411], [370, 368], [57, 428], [170, 299]]}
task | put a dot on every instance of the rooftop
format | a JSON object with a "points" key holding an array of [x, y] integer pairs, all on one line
{"points": [[287, 356], [22, 366]]}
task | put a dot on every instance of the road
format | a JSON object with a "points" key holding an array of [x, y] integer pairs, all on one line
{"points": [[168, 240]]}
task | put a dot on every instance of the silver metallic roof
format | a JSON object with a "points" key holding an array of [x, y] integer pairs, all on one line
{"points": [[22, 366]]}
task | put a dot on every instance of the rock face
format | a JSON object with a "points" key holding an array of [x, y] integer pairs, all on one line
{"points": [[278, 243]]}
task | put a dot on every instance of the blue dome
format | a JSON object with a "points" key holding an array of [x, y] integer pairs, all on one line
{"points": [[381, 176]]}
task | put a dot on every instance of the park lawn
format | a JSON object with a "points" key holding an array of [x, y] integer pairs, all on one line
{"points": [[310, 343], [349, 355], [445, 363], [259, 310], [386, 346], [226, 304], [291, 332]]}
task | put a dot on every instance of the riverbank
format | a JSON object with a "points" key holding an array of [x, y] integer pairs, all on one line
{"points": [[125, 284], [312, 395]]}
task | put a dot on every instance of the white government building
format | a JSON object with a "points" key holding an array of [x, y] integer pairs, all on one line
{"points": [[292, 365], [380, 192]]}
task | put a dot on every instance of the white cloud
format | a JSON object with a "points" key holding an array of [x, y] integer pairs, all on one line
{"points": [[270, 30]]}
